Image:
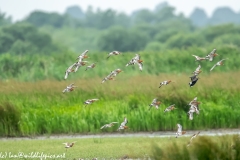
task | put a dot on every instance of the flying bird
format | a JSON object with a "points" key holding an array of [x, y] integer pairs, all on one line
{"points": [[69, 88], [211, 55], [194, 80], [69, 145], [90, 101], [193, 136], [197, 71], [90, 66], [179, 131], [220, 63], [108, 125], [199, 58], [154, 103], [113, 53], [170, 108], [82, 56], [123, 125], [108, 77], [69, 70], [164, 83], [134, 60], [79, 64]]}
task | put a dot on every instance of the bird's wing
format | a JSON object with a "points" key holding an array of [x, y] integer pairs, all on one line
{"points": [[84, 53], [197, 57], [103, 126], [179, 128], [213, 67], [154, 101], [125, 121], [66, 75], [222, 60], [113, 122], [198, 68], [140, 65]]}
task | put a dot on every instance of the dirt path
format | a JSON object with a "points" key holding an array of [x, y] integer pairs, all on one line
{"points": [[215, 132]]}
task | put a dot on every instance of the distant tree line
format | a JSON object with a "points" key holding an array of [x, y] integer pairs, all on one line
{"points": [[106, 30]]}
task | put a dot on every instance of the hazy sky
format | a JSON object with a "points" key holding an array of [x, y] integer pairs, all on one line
{"points": [[19, 9]]}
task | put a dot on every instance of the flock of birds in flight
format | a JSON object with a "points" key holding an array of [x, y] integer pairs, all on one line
{"points": [[194, 104]]}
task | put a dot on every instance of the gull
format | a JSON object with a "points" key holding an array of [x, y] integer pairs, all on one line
{"points": [[90, 101], [220, 63], [108, 125], [199, 58], [164, 83], [193, 136], [211, 55], [79, 64], [197, 71], [123, 124], [194, 80], [154, 103], [179, 131], [69, 145], [69, 70], [83, 55], [170, 108], [90, 66], [69, 88], [113, 53]]}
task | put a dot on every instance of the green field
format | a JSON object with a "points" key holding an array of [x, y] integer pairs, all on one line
{"points": [[201, 148], [31, 104]]}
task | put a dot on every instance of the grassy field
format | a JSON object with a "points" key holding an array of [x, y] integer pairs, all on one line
{"points": [[201, 148], [35, 108]]}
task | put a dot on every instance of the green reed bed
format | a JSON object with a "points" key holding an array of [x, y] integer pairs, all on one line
{"points": [[42, 108], [35, 67]]}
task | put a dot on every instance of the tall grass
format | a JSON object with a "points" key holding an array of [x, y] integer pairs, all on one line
{"points": [[44, 109], [40, 67], [202, 148]]}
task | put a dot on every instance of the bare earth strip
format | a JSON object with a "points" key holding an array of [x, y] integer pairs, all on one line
{"points": [[161, 134]]}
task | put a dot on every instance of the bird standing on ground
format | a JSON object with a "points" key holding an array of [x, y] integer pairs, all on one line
{"points": [[179, 131], [123, 125], [113, 53], [164, 83], [220, 63], [154, 103]]}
